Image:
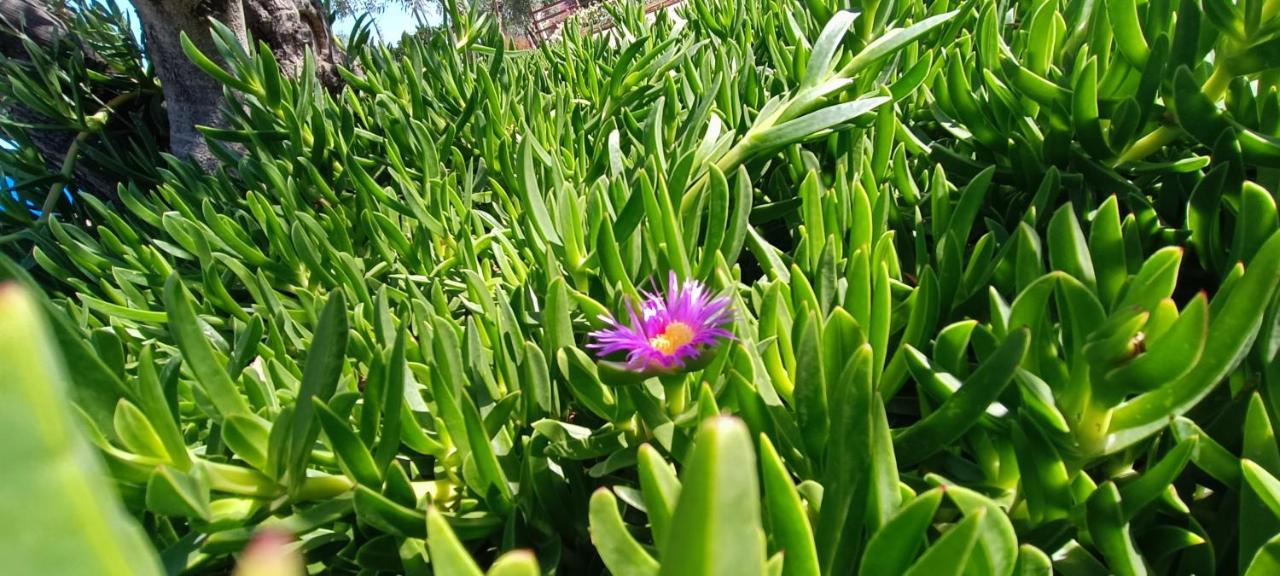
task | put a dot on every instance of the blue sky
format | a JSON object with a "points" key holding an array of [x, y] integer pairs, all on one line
{"points": [[392, 23]]}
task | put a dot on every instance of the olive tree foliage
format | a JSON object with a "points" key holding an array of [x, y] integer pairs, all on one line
{"points": [[514, 16], [357, 7]]}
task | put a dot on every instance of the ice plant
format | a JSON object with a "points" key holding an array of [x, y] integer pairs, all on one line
{"points": [[667, 332]]}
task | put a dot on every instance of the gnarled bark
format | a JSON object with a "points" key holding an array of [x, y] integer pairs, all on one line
{"points": [[289, 27]]}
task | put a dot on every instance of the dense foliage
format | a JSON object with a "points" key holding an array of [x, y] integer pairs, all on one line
{"points": [[1003, 280]]}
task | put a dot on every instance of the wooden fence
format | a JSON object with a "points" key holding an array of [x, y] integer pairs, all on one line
{"points": [[551, 17]]}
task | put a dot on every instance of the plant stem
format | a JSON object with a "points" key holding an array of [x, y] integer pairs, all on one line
{"points": [[68, 168], [1091, 433], [1149, 144], [1214, 88], [7, 238], [73, 152], [323, 487], [240, 481], [676, 395]]}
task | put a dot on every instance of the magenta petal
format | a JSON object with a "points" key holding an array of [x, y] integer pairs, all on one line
{"points": [[689, 303]]}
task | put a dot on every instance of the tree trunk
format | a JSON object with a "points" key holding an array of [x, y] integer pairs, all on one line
{"points": [[289, 27]]}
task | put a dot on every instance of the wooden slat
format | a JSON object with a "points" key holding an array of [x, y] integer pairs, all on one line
{"points": [[547, 20]]}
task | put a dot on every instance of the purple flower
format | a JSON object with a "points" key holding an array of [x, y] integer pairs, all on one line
{"points": [[668, 331]]}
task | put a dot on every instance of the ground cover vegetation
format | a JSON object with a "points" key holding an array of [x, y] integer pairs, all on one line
{"points": [[774, 287]]}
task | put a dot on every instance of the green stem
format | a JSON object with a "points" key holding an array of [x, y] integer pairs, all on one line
{"points": [[1092, 430], [1269, 10], [1215, 87], [68, 168], [240, 481], [323, 487], [1149, 144], [677, 395], [727, 164], [91, 125], [7, 238]]}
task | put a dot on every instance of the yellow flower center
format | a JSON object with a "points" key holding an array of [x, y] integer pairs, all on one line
{"points": [[676, 334]]}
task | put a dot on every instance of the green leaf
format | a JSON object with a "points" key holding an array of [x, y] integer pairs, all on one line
{"points": [[557, 329], [824, 48], [174, 493], [1256, 221], [447, 554], [1267, 560], [739, 217], [885, 491], [949, 555], [320, 377], [1197, 113], [392, 400], [891, 41], [1068, 250], [1084, 112], [352, 454], [788, 523], [971, 201], [1123, 15], [247, 436], [1169, 355], [1110, 532], [153, 401], [212, 69], [584, 381], [535, 380], [1033, 562], [1226, 17], [719, 508], [485, 459], [997, 550], [1106, 248], [1231, 333], [136, 433], [660, 489], [515, 563], [531, 194], [920, 324], [815, 124], [197, 353], [1157, 478], [1154, 282], [962, 410], [810, 385], [619, 551], [845, 476], [53, 485], [893, 548], [1045, 479], [1209, 456], [1202, 217], [1257, 525], [1263, 483]]}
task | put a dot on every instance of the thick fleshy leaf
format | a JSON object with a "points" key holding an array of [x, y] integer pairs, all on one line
{"points": [[54, 485], [719, 507], [618, 549]]}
